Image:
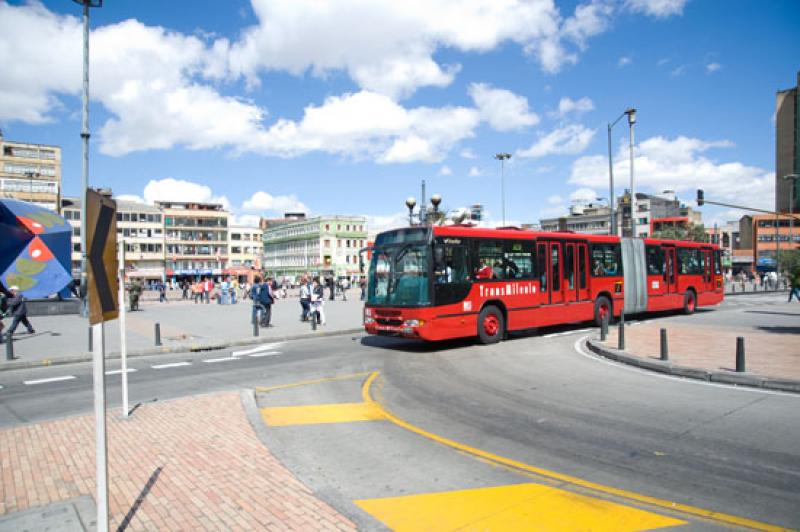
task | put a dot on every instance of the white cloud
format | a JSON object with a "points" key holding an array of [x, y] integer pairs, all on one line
{"points": [[467, 153], [567, 105], [678, 71], [246, 220], [474, 171], [170, 189], [713, 67], [263, 201], [568, 140], [680, 164], [624, 61], [583, 195], [657, 8], [502, 109], [555, 199], [445, 170], [378, 223], [589, 20], [129, 197], [553, 212]]}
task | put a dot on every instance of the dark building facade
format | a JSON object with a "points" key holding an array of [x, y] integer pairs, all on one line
{"points": [[787, 148]]}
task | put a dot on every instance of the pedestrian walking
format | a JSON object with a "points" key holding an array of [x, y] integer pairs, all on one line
{"points": [[134, 293], [258, 309], [185, 289], [162, 292], [208, 286], [362, 284], [305, 298], [318, 302], [794, 285], [345, 286], [19, 312], [5, 295], [197, 292]]}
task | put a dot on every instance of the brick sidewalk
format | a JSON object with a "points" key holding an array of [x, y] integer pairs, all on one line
{"points": [[201, 459], [714, 348]]}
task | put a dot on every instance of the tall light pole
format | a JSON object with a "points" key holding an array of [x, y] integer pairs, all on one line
{"points": [[503, 157], [612, 198], [85, 137], [631, 121], [410, 203]]}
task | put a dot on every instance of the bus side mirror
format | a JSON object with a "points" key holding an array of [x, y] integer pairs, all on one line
{"points": [[438, 256]]}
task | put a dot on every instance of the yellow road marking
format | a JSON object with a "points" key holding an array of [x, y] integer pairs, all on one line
{"points": [[325, 413], [510, 508], [315, 381], [575, 481]]}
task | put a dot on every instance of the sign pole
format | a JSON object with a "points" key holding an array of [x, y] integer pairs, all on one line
{"points": [[123, 340], [101, 449]]}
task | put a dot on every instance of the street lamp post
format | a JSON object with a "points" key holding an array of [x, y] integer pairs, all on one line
{"points": [[85, 137], [410, 203], [631, 121], [503, 157], [612, 197]]}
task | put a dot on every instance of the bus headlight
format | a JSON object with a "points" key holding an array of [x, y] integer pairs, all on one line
{"points": [[368, 321], [414, 323], [368, 312]]}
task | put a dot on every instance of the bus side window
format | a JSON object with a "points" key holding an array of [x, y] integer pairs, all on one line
{"points": [[582, 265], [569, 266], [517, 259], [541, 265]]}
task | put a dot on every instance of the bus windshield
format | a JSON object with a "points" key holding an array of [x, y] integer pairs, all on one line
{"points": [[398, 275]]}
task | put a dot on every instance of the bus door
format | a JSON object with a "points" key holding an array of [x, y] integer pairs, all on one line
{"points": [[570, 269], [708, 270], [670, 271], [554, 271], [583, 271]]}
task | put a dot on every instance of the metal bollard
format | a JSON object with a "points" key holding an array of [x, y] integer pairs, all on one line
{"points": [[664, 348], [255, 326], [314, 321], [621, 336], [158, 334], [9, 347], [740, 354], [603, 329], [90, 340]]}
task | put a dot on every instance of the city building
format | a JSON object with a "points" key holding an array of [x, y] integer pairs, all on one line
{"points": [[139, 225], [766, 236], [727, 237], [245, 252], [787, 148], [195, 237], [589, 218], [30, 172], [654, 212], [288, 217], [324, 245]]}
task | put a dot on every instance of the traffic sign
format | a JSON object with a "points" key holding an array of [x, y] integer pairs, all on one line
{"points": [[101, 245]]}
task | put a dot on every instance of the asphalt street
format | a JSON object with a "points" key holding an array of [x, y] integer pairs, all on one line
{"points": [[538, 409]]}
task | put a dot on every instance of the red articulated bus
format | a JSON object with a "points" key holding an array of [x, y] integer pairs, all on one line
{"points": [[442, 282]]}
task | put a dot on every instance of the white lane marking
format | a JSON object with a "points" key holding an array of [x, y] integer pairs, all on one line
{"points": [[172, 365], [578, 345], [119, 371], [215, 360], [258, 349], [267, 354], [52, 379]]}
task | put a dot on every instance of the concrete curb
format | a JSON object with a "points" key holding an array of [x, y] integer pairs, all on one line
{"points": [[758, 292], [668, 368], [178, 348]]}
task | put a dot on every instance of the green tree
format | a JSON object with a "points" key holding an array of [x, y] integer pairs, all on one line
{"points": [[789, 260], [695, 233]]}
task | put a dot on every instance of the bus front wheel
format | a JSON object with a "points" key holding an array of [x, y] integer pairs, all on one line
{"points": [[603, 310], [491, 325]]}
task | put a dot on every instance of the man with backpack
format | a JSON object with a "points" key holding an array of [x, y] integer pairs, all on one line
{"points": [[263, 298]]}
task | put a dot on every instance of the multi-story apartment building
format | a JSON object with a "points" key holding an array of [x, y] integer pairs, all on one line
{"points": [[787, 149], [140, 226], [246, 247], [30, 172], [654, 211], [767, 235], [726, 236], [196, 238], [590, 218], [327, 245]]}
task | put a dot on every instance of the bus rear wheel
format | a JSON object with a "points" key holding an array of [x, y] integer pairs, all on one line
{"points": [[689, 302], [603, 310], [491, 325]]}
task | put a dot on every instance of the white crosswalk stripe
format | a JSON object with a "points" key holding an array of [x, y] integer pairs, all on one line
{"points": [[51, 379], [172, 365]]}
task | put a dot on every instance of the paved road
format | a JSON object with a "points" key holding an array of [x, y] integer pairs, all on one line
{"points": [[535, 418]]}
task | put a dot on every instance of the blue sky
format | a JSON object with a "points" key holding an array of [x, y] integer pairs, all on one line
{"points": [[343, 107]]}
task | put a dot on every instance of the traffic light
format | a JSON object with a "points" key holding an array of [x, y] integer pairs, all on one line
{"points": [[700, 199]]}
